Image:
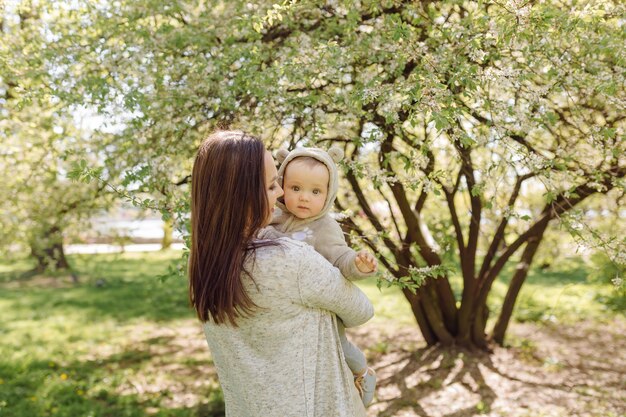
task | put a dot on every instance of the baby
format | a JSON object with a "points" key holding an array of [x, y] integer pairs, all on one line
{"points": [[309, 179]]}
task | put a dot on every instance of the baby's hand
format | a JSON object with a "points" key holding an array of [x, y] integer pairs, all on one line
{"points": [[365, 262]]}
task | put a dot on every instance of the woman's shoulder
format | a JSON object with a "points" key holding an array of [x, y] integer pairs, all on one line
{"points": [[283, 254], [303, 253], [286, 246], [297, 246]]}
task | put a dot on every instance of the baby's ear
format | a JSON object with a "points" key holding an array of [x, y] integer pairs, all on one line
{"points": [[336, 153], [281, 154]]}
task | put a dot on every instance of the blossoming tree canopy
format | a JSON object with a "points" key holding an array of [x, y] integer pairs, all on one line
{"points": [[468, 127]]}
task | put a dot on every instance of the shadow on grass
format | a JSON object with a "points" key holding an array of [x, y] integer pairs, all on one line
{"points": [[615, 299], [454, 366], [113, 286], [431, 372], [554, 365], [569, 271], [96, 388]]}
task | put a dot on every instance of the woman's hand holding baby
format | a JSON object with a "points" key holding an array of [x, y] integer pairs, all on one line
{"points": [[365, 262]]}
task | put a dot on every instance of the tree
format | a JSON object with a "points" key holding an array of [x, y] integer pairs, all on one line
{"points": [[41, 206], [497, 118]]}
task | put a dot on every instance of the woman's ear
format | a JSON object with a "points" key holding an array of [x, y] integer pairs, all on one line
{"points": [[336, 153], [281, 154]]}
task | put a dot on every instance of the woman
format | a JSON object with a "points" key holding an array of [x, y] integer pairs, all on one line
{"points": [[269, 307]]}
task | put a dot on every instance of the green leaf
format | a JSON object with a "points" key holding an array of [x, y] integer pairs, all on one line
{"points": [[550, 196], [441, 121], [477, 190]]}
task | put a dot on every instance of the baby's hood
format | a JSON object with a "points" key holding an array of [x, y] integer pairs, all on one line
{"points": [[328, 158]]}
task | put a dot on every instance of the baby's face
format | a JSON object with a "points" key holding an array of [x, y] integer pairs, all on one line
{"points": [[306, 188]]}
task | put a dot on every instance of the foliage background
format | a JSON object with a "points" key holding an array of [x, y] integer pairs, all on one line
{"points": [[475, 132]]}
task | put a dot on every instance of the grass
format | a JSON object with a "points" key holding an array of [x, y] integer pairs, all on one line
{"points": [[560, 294], [98, 348], [121, 343]]}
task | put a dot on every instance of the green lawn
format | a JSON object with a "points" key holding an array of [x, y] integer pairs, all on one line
{"points": [[121, 343], [81, 350]]}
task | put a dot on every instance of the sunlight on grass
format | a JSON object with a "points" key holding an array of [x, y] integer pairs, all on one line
{"points": [[560, 294], [121, 343], [390, 306]]}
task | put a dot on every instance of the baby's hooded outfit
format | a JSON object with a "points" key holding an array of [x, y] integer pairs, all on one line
{"points": [[325, 235], [321, 231]]}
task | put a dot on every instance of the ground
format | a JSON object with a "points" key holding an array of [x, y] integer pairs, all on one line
{"points": [[549, 370], [122, 343]]}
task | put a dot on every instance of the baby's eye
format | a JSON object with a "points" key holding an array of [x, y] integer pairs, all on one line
{"points": [[316, 192], [295, 188]]}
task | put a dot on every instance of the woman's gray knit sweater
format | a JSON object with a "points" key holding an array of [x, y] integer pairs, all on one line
{"points": [[286, 360]]}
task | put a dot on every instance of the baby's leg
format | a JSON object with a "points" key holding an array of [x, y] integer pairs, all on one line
{"points": [[364, 377], [354, 357]]}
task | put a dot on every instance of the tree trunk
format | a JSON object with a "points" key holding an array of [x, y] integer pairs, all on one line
{"points": [[429, 316], [168, 232], [49, 253], [479, 322], [465, 313], [434, 313], [51, 256], [420, 317], [521, 272]]}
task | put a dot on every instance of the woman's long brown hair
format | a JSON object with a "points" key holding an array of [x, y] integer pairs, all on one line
{"points": [[228, 207]]}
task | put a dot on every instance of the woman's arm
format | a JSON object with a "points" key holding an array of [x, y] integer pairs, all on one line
{"points": [[322, 286]]}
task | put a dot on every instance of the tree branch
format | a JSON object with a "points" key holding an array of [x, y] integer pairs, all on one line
{"points": [[499, 235], [393, 216], [467, 169], [412, 223], [373, 219], [458, 231], [352, 225], [552, 210]]}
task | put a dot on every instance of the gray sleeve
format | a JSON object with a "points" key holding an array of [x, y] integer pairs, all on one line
{"points": [[330, 242], [322, 286]]}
